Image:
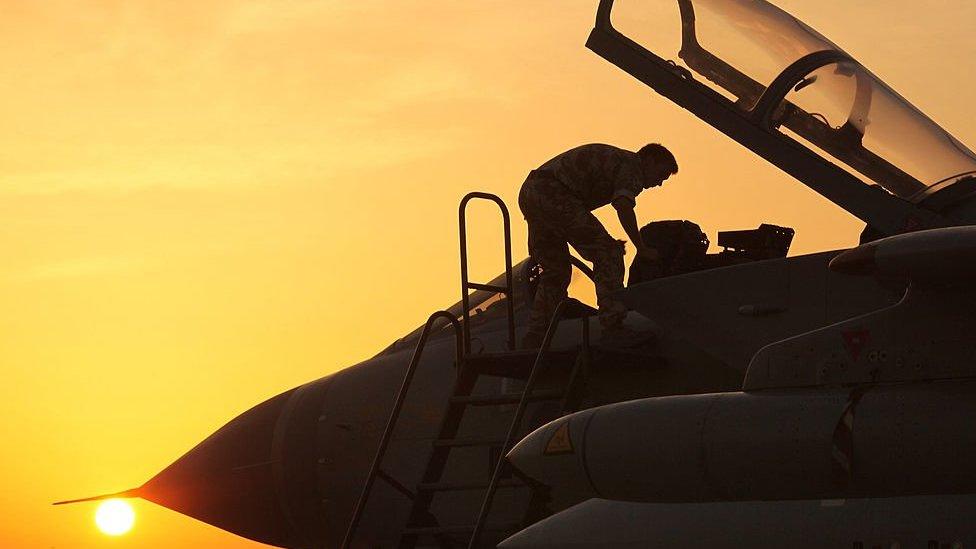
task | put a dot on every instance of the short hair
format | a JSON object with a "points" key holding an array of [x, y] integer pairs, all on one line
{"points": [[660, 154]]}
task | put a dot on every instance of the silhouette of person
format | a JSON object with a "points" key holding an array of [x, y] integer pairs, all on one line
{"points": [[557, 200]]}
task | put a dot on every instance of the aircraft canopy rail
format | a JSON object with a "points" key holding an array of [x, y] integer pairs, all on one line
{"points": [[787, 78]]}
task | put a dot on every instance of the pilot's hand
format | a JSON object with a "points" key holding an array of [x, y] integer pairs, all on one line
{"points": [[623, 246]]}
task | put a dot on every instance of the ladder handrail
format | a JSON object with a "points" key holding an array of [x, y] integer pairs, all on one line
{"points": [[395, 413], [508, 290], [520, 411]]}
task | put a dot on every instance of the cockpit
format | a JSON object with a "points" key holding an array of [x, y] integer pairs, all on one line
{"points": [[781, 77]]}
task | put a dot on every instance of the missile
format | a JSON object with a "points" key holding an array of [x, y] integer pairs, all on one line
{"points": [[934, 255], [883, 522], [885, 440]]}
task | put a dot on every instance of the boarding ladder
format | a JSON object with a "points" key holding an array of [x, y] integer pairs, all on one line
{"points": [[528, 365]]}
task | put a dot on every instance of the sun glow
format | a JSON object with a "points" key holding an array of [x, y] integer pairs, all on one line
{"points": [[115, 517]]}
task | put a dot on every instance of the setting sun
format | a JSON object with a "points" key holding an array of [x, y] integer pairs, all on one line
{"points": [[115, 517]]}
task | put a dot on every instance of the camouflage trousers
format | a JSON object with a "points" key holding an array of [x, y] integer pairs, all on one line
{"points": [[555, 219]]}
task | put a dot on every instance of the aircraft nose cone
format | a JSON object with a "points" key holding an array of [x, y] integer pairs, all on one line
{"points": [[553, 455], [228, 480]]}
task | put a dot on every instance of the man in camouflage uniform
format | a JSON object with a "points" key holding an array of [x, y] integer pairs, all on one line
{"points": [[557, 199]]}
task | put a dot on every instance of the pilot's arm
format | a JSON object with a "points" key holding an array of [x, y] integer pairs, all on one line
{"points": [[628, 182], [628, 220]]}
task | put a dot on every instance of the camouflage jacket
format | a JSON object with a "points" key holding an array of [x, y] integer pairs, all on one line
{"points": [[597, 174]]}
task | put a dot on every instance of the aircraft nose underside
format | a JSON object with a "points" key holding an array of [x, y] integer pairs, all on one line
{"points": [[256, 476], [228, 479]]}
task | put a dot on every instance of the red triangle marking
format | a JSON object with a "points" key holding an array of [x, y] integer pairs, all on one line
{"points": [[855, 341]]}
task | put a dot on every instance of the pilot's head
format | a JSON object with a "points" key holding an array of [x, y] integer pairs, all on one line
{"points": [[658, 163]]}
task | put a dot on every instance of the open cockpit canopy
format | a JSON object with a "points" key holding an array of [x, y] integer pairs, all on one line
{"points": [[788, 78]]}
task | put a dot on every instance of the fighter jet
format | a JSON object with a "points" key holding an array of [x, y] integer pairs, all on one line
{"points": [[778, 387]]}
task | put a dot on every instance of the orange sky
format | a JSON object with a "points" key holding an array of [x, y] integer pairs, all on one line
{"points": [[205, 203]]}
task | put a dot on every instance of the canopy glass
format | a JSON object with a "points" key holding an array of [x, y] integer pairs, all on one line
{"points": [[789, 77]]}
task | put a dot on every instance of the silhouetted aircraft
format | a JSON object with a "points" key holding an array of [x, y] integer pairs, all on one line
{"points": [[810, 401]]}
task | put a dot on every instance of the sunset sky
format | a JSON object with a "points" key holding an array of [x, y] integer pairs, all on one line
{"points": [[205, 203]]}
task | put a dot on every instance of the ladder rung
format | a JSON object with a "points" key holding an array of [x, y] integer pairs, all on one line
{"points": [[508, 398], [461, 529], [458, 486], [458, 442], [488, 287], [518, 364]]}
